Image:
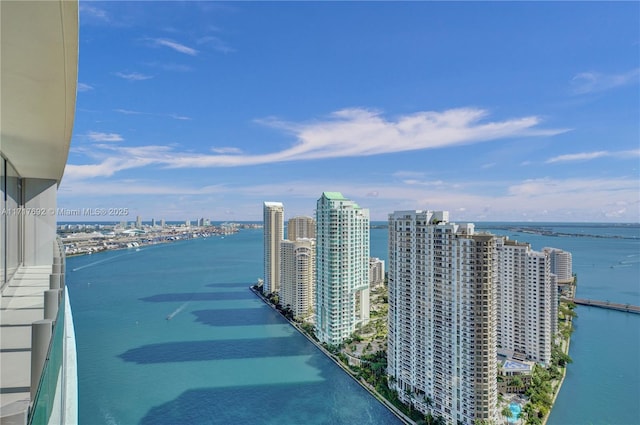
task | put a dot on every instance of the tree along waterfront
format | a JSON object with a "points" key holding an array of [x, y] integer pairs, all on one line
{"points": [[371, 368]]}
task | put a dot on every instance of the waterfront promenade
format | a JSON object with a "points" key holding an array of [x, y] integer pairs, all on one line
{"points": [[629, 308]]}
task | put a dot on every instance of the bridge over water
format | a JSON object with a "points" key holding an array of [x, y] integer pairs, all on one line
{"points": [[629, 308]]}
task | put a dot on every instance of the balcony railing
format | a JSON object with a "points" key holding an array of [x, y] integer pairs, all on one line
{"points": [[53, 366]]}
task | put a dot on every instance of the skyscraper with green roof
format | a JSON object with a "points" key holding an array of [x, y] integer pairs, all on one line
{"points": [[342, 267]]}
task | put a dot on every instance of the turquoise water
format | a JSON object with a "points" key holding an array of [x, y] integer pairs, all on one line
{"points": [[224, 357], [515, 411]]}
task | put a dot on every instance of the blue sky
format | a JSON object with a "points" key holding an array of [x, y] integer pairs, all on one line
{"points": [[495, 111]]}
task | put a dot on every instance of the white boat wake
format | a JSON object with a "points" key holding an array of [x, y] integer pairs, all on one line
{"points": [[178, 310], [98, 262]]}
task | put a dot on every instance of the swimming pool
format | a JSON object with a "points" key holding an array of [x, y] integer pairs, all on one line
{"points": [[515, 412]]}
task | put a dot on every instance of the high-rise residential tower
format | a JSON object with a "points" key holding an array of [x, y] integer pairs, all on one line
{"points": [[342, 267], [525, 297], [273, 223], [301, 227], [442, 317], [376, 271], [297, 275], [561, 264]]}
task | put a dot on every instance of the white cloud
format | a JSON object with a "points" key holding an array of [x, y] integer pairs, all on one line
{"points": [[586, 156], [131, 112], [544, 187], [181, 48], [104, 137], [408, 174], [423, 183], [93, 12], [84, 87], [349, 133], [216, 43], [360, 132], [544, 199], [226, 150], [128, 112], [589, 82], [179, 117], [133, 76]]}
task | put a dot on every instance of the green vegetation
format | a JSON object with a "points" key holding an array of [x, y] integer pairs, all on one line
{"points": [[506, 412]]}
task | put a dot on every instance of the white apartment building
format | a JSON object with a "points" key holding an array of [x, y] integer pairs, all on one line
{"points": [[301, 227], [342, 267], [442, 317], [525, 301], [297, 274], [273, 227], [376, 271], [561, 264]]}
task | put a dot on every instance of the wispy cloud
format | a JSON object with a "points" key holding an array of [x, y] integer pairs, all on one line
{"points": [[125, 158], [133, 76], [131, 112], [586, 199], [216, 43], [586, 156], [128, 112], [93, 12], [179, 117], [226, 150], [423, 182], [589, 82], [408, 174], [104, 137], [178, 47], [348, 133], [84, 87]]}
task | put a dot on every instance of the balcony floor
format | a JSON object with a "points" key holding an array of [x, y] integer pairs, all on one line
{"points": [[21, 303]]}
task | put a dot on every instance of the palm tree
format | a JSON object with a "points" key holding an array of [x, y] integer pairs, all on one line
{"points": [[428, 401], [506, 412]]}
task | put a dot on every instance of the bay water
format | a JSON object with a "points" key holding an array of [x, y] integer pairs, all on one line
{"points": [[171, 334]]}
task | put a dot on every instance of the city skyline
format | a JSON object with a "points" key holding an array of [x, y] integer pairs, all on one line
{"points": [[493, 111]]}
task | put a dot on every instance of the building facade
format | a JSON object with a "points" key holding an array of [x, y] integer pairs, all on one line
{"points": [[39, 66], [376, 271], [561, 264], [525, 301], [297, 274], [273, 227], [442, 317], [342, 267], [301, 227]]}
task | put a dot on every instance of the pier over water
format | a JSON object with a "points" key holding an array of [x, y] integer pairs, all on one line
{"points": [[629, 308]]}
